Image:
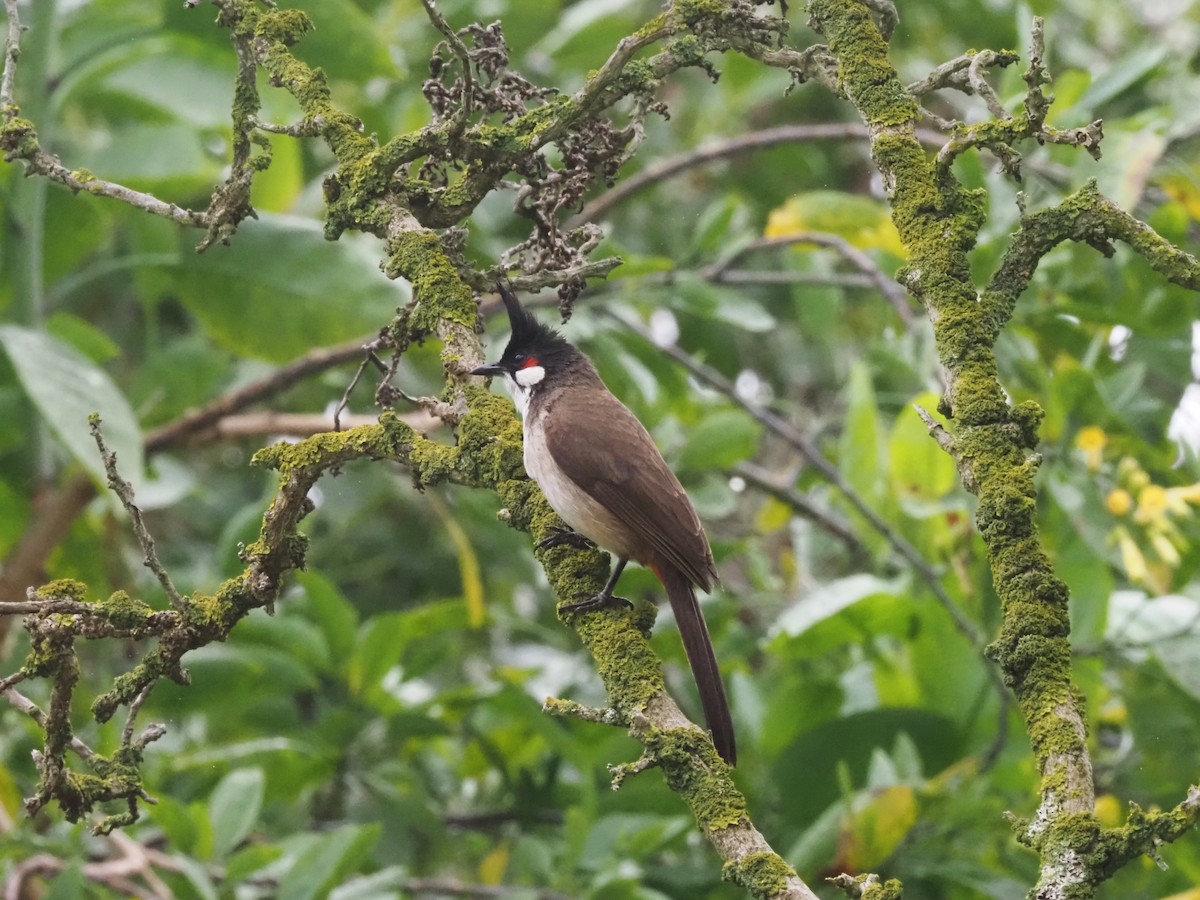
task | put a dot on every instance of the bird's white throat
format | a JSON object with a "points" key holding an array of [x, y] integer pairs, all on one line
{"points": [[521, 385], [529, 376]]}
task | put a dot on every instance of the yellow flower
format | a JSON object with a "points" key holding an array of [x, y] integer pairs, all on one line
{"points": [[1132, 559], [1091, 441], [1178, 498], [1119, 502], [1151, 504], [1131, 474], [1165, 549]]}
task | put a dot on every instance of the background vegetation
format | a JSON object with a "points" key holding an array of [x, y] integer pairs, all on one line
{"points": [[382, 735]]}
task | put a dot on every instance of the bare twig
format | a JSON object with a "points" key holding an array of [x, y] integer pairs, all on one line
{"points": [[450, 887], [662, 169], [124, 491], [134, 708], [197, 421], [783, 491], [306, 128], [24, 704], [12, 52], [895, 294], [459, 49]]}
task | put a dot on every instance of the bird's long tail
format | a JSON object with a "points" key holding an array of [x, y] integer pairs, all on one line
{"points": [[699, 648]]}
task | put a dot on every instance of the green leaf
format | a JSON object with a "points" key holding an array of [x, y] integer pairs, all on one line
{"points": [[249, 860], [320, 861], [328, 608], [830, 600], [66, 388], [83, 336], [178, 821], [67, 884], [720, 440], [381, 885], [712, 231], [1169, 625], [280, 286], [233, 808], [339, 26]]}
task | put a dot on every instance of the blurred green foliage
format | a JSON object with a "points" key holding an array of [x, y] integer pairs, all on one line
{"points": [[369, 734]]}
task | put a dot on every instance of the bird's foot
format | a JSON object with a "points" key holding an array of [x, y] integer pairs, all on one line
{"points": [[594, 602], [560, 536]]}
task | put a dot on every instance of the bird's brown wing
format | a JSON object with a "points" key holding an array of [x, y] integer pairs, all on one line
{"points": [[644, 495]]}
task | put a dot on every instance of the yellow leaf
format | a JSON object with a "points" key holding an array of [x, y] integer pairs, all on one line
{"points": [[862, 221], [772, 516], [493, 866], [468, 563], [874, 832]]}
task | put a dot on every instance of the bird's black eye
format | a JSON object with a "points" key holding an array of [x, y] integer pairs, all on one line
{"points": [[519, 358]]}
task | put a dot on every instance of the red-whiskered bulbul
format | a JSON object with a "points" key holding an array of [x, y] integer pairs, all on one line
{"points": [[602, 473]]}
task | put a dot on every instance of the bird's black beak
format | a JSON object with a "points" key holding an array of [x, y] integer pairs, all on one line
{"points": [[488, 370]]}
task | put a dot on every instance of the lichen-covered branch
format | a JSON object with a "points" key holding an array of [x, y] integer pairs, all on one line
{"points": [[993, 442]]}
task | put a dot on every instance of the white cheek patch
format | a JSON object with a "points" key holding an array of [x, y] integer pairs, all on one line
{"points": [[529, 376]]}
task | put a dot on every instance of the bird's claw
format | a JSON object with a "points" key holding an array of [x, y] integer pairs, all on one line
{"points": [[560, 536], [594, 602]]}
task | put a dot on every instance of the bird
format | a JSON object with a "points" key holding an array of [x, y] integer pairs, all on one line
{"points": [[600, 470]]}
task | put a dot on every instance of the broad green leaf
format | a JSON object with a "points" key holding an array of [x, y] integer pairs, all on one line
{"points": [[381, 885], [712, 231], [66, 388], [721, 304], [862, 221], [805, 773], [877, 829], [1169, 626], [83, 336], [276, 189], [830, 600], [250, 859], [325, 605], [68, 884], [321, 860], [233, 809], [340, 26], [468, 563], [719, 440], [198, 877], [162, 157], [1120, 74], [425, 633], [179, 821], [281, 289]]}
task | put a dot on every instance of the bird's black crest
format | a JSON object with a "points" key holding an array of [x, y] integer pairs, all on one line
{"points": [[527, 331]]}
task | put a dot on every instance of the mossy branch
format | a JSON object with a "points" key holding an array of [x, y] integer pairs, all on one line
{"points": [[993, 441]]}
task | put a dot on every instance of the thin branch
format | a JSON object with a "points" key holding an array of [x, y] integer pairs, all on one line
{"points": [[12, 53], [895, 294], [19, 701], [662, 169], [196, 421], [466, 104], [306, 128], [450, 887], [782, 490], [124, 491], [131, 718]]}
